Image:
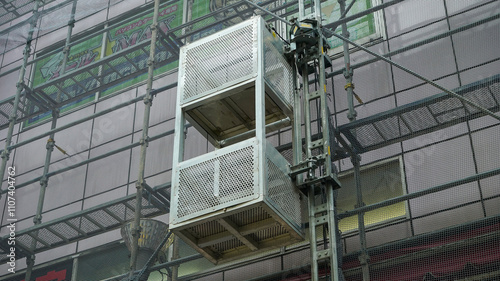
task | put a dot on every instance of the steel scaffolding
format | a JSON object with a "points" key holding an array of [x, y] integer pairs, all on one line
{"points": [[354, 138]]}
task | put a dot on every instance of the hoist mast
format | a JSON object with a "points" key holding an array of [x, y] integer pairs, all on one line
{"points": [[315, 174]]}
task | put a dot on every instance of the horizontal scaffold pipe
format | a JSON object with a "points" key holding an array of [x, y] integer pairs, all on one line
{"points": [[415, 45], [90, 117], [153, 138], [413, 195]]}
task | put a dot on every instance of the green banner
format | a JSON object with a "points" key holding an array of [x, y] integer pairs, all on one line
{"points": [[80, 55], [118, 39], [130, 34], [50, 68], [200, 9]]}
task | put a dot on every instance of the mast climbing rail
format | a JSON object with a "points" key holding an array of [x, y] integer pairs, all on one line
{"points": [[308, 48]]}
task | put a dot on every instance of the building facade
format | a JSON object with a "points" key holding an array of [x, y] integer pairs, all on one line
{"points": [[73, 77]]}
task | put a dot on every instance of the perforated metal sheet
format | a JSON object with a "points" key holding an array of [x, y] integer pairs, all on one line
{"points": [[218, 77], [277, 72], [283, 193], [223, 178], [219, 60], [230, 56], [433, 113], [226, 207]]}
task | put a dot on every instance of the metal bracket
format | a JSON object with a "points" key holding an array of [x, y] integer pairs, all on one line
{"points": [[307, 165], [330, 178]]}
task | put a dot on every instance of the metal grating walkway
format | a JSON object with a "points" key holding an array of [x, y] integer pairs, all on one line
{"points": [[84, 82], [366, 134], [86, 223], [421, 117], [12, 9]]}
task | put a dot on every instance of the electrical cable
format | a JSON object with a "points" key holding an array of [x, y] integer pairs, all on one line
{"points": [[283, 39]]}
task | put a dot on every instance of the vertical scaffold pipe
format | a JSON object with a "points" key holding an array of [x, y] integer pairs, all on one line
{"points": [[351, 115], [148, 98], [50, 143], [348, 70], [13, 117]]}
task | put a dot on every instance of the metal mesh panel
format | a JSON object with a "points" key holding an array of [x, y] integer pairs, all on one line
{"points": [[121, 211], [481, 97], [419, 119], [206, 229], [218, 62], [103, 218], [221, 181], [224, 246], [64, 230], [26, 241], [281, 192], [84, 224], [287, 154], [7, 109], [370, 135], [15, 9], [278, 72], [48, 237], [6, 17], [495, 91], [391, 128], [424, 116], [250, 216], [147, 209], [270, 233]]}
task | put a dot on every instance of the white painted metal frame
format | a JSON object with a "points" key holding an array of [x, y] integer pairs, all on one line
{"points": [[263, 155], [223, 69]]}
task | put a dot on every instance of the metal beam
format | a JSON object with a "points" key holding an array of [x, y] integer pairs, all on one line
{"points": [[243, 230], [267, 12], [361, 14], [418, 44], [234, 229], [420, 193], [467, 101]]}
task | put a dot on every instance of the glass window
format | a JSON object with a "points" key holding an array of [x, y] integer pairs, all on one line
{"points": [[379, 181]]}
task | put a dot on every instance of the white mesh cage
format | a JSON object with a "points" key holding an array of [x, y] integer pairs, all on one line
{"points": [[223, 179], [230, 57], [225, 191]]}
